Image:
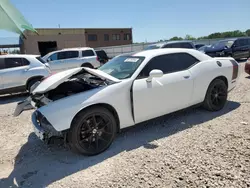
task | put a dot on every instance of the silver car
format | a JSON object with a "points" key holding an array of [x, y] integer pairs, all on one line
{"points": [[19, 73], [71, 58]]}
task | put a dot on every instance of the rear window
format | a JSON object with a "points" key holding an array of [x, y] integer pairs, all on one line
{"points": [[101, 54], [87, 53], [41, 60]]}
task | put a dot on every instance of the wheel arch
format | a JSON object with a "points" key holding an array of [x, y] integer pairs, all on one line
{"points": [[104, 105], [33, 78], [87, 63], [223, 78]]}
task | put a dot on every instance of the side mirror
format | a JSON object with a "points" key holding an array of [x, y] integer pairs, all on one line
{"points": [[48, 60], [154, 74]]}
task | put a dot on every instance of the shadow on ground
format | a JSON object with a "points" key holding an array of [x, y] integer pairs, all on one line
{"points": [[5, 99], [38, 165]]}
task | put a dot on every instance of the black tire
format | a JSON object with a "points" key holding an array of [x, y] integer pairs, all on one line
{"points": [[216, 96], [32, 82], [87, 65], [92, 131]]}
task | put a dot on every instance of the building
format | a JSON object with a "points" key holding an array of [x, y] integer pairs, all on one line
{"points": [[48, 40]]}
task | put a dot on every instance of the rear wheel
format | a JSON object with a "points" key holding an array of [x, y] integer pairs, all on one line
{"points": [[92, 131], [216, 96]]}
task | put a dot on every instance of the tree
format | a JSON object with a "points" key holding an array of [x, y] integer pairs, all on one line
{"points": [[189, 37], [176, 38], [248, 32]]}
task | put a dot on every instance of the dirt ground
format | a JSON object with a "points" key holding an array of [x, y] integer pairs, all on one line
{"points": [[191, 148]]}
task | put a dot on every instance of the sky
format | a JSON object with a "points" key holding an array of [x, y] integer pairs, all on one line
{"points": [[151, 20]]}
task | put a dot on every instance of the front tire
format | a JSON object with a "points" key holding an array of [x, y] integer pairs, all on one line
{"points": [[92, 131], [216, 96]]}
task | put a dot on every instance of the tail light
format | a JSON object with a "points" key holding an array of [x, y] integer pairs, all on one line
{"points": [[235, 69]]}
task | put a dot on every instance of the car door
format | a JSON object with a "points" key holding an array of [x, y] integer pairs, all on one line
{"points": [[54, 62], [69, 59], [240, 49], [14, 72], [90, 57], [166, 94]]}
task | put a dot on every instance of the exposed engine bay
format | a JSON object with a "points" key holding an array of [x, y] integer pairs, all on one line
{"points": [[76, 84]]}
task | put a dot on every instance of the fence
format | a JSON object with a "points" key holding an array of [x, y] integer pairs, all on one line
{"points": [[113, 51]]}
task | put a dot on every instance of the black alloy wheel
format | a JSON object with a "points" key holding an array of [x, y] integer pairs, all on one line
{"points": [[93, 131], [216, 96]]}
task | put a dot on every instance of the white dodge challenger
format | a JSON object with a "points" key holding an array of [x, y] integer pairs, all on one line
{"points": [[88, 107]]}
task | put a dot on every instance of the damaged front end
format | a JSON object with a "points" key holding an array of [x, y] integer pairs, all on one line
{"points": [[56, 87], [43, 129]]}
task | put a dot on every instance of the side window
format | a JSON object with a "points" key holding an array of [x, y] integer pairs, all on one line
{"points": [[87, 53], [13, 62], [71, 54], [53, 57], [186, 45], [2, 64], [242, 42], [168, 46], [25, 62], [176, 45], [62, 55], [248, 41], [169, 63]]}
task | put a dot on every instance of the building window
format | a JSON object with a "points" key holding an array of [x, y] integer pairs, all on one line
{"points": [[127, 36], [106, 37], [92, 37], [116, 37]]}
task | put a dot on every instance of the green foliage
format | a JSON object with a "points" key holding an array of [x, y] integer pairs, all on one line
{"points": [[227, 34], [248, 32], [189, 37], [176, 38]]}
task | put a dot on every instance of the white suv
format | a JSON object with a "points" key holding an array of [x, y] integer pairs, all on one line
{"points": [[71, 58], [19, 72]]}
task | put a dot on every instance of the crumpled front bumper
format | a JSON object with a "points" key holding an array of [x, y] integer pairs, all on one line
{"points": [[42, 128]]}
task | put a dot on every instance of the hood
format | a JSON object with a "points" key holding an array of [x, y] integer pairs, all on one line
{"points": [[55, 80]]}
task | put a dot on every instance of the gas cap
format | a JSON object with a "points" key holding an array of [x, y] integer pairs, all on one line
{"points": [[219, 63]]}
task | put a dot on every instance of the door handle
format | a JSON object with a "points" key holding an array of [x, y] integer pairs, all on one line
{"points": [[186, 77]]}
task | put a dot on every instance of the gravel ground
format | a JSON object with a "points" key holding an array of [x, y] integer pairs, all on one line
{"points": [[190, 148]]}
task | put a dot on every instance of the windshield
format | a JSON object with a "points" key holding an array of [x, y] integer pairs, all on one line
{"points": [[225, 43], [151, 47], [122, 67]]}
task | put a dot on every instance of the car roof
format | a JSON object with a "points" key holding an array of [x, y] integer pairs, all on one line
{"points": [[171, 42], [162, 51], [19, 55], [80, 48], [228, 39]]}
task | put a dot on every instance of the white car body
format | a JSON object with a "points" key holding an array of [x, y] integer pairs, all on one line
{"points": [[71, 58], [16, 71], [134, 99]]}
